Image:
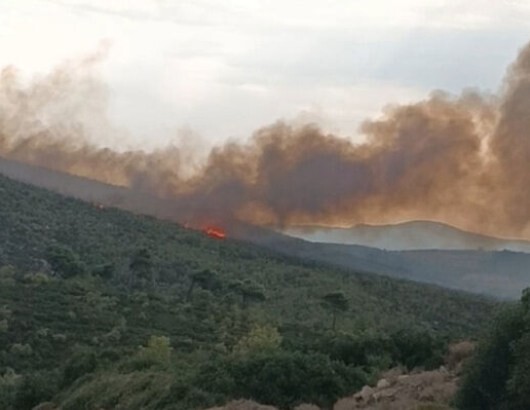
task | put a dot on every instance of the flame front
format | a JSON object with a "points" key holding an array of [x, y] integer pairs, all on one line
{"points": [[215, 232]]}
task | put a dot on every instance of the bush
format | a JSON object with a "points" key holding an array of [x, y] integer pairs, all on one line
{"points": [[78, 365], [259, 338], [156, 353], [9, 383], [20, 349], [280, 378], [413, 348], [376, 352], [65, 262], [497, 375], [34, 389]]}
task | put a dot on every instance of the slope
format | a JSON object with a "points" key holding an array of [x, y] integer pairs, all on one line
{"points": [[89, 285], [503, 274], [34, 219]]}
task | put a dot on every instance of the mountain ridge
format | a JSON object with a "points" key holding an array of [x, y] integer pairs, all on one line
{"points": [[409, 235]]}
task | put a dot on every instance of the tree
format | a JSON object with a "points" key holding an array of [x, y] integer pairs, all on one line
{"points": [[260, 338], [35, 388], [335, 302], [249, 292], [206, 279], [105, 270], [157, 351], [64, 261], [141, 267], [495, 377], [79, 364], [518, 385]]}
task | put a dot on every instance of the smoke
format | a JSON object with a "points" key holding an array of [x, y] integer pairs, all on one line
{"points": [[463, 160]]}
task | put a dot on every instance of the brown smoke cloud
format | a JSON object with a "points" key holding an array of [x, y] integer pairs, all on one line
{"points": [[462, 160]]}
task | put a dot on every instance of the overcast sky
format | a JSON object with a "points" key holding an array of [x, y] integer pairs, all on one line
{"points": [[225, 68]]}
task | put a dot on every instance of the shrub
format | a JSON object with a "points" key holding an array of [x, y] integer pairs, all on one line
{"points": [[21, 349], [156, 353], [4, 325], [260, 338], [65, 262], [78, 365], [9, 383], [280, 378], [495, 376], [34, 389]]}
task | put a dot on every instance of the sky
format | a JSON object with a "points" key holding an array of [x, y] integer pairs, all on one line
{"points": [[220, 70]]}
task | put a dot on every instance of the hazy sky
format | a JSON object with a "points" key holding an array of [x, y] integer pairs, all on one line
{"points": [[225, 68]]}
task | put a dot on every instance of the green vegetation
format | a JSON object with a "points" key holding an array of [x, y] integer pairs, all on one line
{"points": [[498, 377], [101, 308], [336, 302]]}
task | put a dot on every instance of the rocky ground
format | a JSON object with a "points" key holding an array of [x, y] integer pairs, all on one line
{"points": [[397, 391]]}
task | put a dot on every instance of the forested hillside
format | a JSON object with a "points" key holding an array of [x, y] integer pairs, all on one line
{"points": [[502, 274], [100, 308]]}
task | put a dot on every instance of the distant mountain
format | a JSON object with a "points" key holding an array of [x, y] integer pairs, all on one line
{"points": [[414, 235], [502, 274]]}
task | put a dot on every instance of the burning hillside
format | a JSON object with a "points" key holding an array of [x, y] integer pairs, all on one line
{"points": [[461, 159]]}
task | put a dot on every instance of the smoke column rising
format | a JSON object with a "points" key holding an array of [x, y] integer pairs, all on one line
{"points": [[462, 160]]}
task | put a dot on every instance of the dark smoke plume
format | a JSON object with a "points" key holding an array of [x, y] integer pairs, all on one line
{"points": [[462, 160]]}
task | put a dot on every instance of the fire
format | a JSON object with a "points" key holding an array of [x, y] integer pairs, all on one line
{"points": [[215, 232]]}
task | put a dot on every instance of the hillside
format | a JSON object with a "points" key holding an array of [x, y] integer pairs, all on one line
{"points": [[501, 274], [412, 235], [498, 273], [86, 189], [89, 285], [33, 219]]}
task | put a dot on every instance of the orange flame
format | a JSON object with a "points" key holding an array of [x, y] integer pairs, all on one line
{"points": [[215, 232]]}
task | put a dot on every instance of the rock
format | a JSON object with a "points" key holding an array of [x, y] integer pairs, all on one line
{"points": [[306, 407], [347, 403], [243, 405], [427, 394], [383, 384], [47, 405], [432, 389], [392, 374], [365, 394], [388, 393], [459, 353]]}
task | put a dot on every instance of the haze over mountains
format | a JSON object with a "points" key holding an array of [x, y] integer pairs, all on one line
{"points": [[502, 274], [499, 273], [411, 235]]}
